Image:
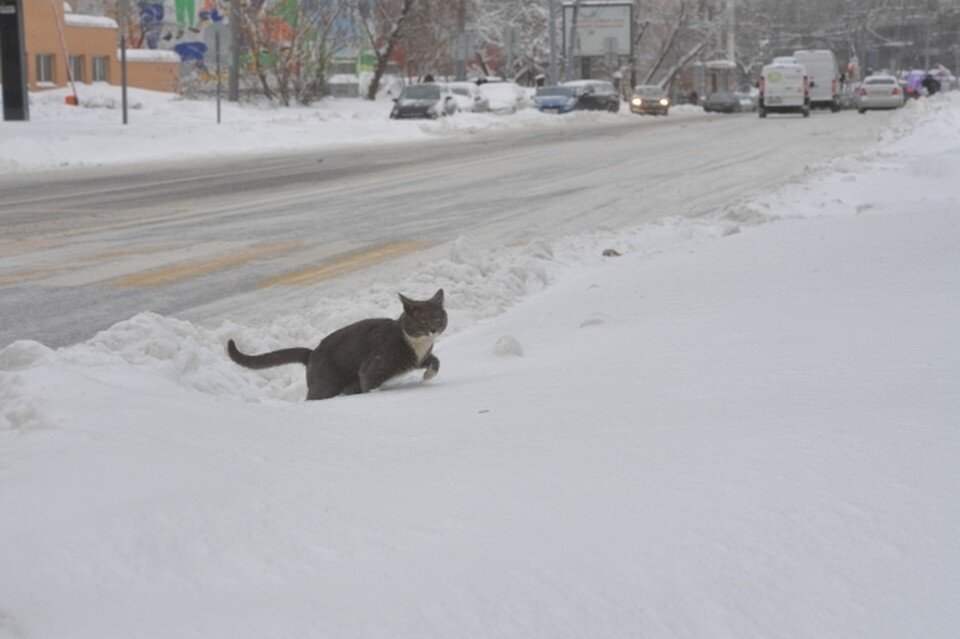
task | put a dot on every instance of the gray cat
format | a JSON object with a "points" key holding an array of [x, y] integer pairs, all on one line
{"points": [[362, 356]]}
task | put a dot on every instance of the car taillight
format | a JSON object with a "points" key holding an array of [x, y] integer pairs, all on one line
{"points": [[862, 91], [833, 86], [896, 90]]}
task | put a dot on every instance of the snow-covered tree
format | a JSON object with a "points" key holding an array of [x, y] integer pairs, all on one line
{"points": [[385, 24], [289, 44]]}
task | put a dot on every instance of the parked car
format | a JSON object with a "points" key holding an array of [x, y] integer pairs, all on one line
{"points": [[747, 101], [504, 97], [557, 99], [468, 96], [427, 100], [597, 95], [649, 98], [879, 91], [722, 102]]}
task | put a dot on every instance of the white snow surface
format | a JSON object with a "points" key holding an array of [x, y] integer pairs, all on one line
{"points": [[166, 126], [740, 427]]}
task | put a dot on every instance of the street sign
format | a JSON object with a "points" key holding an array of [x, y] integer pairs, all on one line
{"points": [[210, 36]]}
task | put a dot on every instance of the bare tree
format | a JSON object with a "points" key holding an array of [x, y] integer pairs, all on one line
{"points": [[290, 44], [384, 22]]}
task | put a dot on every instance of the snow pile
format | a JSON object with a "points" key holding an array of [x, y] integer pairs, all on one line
{"points": [[164, 126], [715, 433]]}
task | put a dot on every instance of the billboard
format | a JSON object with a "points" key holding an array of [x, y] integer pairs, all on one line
{"points": [[603, 28]]}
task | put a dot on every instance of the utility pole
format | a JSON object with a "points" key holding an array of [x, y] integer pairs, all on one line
{"points": [[731, 24], [13, 68], [571, 42], [552, 26], [233, 82], [123, 58], [461, 62]]}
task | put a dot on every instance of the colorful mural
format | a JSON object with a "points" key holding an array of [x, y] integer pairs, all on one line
{"points": [[178, 25]]}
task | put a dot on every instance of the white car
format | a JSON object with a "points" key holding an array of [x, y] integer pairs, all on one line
{"points": [[879, 92], [468, 96], [504, 97]]}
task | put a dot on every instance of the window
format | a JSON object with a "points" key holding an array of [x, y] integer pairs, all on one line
{"points": [[77, 67], [101, 69], [45, 68]]}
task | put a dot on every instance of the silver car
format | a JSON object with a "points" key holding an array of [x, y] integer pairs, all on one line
{"points": [[879, 92]]}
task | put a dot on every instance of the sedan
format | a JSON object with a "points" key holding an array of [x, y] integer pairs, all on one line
{"points": [[722, 102], [879, 92], [503, 97], [468, 96], [649, 99], [596, 95], [557, 99], [426, 100]]}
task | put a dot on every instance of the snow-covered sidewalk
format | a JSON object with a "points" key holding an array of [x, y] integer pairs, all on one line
{"points": [[745, 427], [166, 127]]}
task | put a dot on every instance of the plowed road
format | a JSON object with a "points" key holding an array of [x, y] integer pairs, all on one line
{"points": [[83, 249]]}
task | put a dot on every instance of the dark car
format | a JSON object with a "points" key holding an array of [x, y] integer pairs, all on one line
{"points": [[424, 101], [722, 102], [596, 95], [649, 98]]}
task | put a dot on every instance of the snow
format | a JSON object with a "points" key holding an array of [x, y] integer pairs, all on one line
{"points": [[98, 22], [148, 55], [164, 126], [744, 426]]}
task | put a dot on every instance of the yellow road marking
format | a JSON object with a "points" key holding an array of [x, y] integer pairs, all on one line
{"points": [[168, 274], [19, 276], [347, 264], [96, 258], [15, 247]]}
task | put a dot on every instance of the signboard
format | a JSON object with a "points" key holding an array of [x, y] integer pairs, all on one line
{"points": [[603, 28], [224, 33]]}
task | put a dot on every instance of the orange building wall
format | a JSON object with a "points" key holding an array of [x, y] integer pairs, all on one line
{"points": [[40, 20], [156, 76]]}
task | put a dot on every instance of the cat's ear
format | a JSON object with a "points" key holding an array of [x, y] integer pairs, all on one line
{"points": [[437, 297], [406, 301]]}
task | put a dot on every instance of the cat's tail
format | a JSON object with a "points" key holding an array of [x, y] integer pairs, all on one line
{"points": [[267, 360]]}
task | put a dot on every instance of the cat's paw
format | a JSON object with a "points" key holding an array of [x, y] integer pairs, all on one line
{"points": [[430, 373]]}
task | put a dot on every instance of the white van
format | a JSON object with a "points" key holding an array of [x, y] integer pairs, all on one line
{"points": [[783, 89], [824, 76]]}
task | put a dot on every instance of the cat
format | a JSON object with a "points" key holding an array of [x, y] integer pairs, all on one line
{"points": [[361, 356]]}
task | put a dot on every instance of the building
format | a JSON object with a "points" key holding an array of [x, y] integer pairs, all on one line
{"points": [[62, 45]]}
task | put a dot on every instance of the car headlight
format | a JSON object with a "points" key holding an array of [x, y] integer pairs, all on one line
{"points": [[636, 102], [664, 101]]}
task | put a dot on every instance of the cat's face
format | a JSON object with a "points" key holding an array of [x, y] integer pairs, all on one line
{"points": [[422, 318]]}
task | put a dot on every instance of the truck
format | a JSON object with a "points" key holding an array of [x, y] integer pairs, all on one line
{"points": [[824, 75], [784, 89]]}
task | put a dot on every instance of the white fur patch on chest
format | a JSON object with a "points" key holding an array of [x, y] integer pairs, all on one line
{"points": [[421, 345]]}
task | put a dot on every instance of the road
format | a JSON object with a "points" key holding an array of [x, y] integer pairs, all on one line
{"points": [[83, 249]]}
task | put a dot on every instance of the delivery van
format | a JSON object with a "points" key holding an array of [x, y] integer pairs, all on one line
{"points": [[824, 75], [783, 89]]}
